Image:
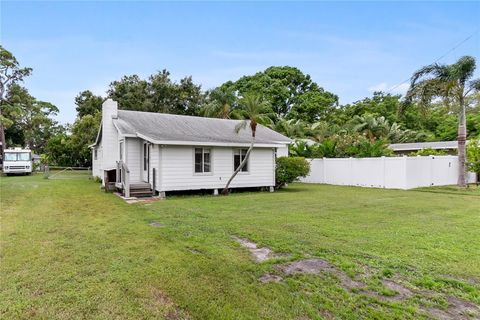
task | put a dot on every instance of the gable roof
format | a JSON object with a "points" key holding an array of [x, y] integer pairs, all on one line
{"points": [[165, 128]]}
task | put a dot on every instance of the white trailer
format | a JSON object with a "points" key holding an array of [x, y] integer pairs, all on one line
{"points": [[17, 161]]}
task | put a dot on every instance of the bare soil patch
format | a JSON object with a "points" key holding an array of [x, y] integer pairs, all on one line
{"points": [[319, 266], [457, 309], [402, 292], [163, 304], [268, 277], [155, 224], [260, 254]]}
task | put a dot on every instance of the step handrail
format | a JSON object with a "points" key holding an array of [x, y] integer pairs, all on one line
{"points": [[123, 176]]}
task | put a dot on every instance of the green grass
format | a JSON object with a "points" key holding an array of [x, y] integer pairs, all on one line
{"points": [[71, 251]]}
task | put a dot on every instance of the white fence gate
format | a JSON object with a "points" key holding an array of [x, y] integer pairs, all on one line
{"points": [[386, 172]]}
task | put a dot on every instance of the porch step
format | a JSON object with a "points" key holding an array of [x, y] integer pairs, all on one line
{"points": [[139, 185], [140, 189]]}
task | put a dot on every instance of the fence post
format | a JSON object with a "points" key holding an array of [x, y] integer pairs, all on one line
{"points": [[384, 173], [46, 171], [324, 170]]}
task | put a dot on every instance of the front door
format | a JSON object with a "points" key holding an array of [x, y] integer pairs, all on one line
{"points": [[146, 162]]}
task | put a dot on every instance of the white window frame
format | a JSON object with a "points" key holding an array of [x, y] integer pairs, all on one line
{"points": [[248, 160], [95, 154], [203, 173]]}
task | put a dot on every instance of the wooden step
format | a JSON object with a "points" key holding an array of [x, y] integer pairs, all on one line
{"points": [[141, 194], [139, 185]]}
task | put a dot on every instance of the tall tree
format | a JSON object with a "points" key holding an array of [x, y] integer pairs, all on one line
{"points": [[157, 94], [452, 83], [253, 109], [32, 124], [285, 87], [88, 103], [219, 104], [10, 73]]}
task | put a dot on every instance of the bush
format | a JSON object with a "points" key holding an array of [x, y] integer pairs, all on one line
{"points": [[429, 152], [473, 157], [289, 169]]}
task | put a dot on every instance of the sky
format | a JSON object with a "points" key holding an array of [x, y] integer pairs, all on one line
{"points": [[348, 48]]}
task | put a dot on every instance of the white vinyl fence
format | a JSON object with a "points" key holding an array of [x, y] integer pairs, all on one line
{"points": [[386, 172]]}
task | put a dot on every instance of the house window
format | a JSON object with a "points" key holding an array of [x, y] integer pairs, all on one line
{"points": [[121, 150], [238, 156], [145, 156], [202, 160], [95, 154]]}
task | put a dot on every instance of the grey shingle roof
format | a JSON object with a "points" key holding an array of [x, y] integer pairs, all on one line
{"points": [[170, 128], [424, 145]]}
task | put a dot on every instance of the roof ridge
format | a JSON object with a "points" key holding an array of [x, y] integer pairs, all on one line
{"points": [[178, 115]]}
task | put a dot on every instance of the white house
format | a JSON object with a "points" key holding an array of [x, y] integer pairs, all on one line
{"points": [[144, 153]]}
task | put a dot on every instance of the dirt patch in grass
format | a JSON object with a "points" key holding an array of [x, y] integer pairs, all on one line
{"points": [[155, 224], [457, 309], [319, 266], [259, 254], [401, 291], [268, 277], [163, 304]]}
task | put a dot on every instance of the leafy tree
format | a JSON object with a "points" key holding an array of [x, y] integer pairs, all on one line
{"points": [[32, 124], [88, 103], [253, 110], [157, 94], [10, 74], [473, 157], [84, 133], [283, 88], [366, 149], [289, 169], [373, 128], [292, 128], [452, 83], [220, 104], [131, 93]]}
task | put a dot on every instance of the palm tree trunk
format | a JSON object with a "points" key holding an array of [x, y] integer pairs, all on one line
{"points": [[462, 149], [2, 140], [242, 164]]}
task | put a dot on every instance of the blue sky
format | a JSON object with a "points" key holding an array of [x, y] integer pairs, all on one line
{"points": [[349, 48]]}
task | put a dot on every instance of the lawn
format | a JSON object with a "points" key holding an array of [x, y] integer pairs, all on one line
{"points": [[70, 251]]}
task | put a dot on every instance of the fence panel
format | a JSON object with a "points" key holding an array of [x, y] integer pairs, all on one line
{"points": [[386, 172]]}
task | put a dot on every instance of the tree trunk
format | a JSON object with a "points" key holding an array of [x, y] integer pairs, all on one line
{"points": [[242, 164], [2, 140], [462, 150]]}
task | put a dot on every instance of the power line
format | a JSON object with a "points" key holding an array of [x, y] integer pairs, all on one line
{"points": [[439, 58]]}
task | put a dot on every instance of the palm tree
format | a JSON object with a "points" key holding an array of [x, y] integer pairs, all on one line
{"points": [[292, 128], [252, 108], [221, 104], [373, 128], [452, 83]]}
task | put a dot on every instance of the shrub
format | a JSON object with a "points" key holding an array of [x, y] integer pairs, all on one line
{"points": [[429, 152], [473, 157], [289, 169]]}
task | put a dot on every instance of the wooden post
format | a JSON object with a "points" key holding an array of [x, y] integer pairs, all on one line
{"points": [[153, 182], [46, 171]]}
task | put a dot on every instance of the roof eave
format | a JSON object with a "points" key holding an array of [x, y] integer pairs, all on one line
{"points": [[210, 143]]}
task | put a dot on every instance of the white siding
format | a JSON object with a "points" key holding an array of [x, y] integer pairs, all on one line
{"points": [[154, 163], [177, 172], [97, 164], [282, 151], [133, 158], [109, 136]]}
